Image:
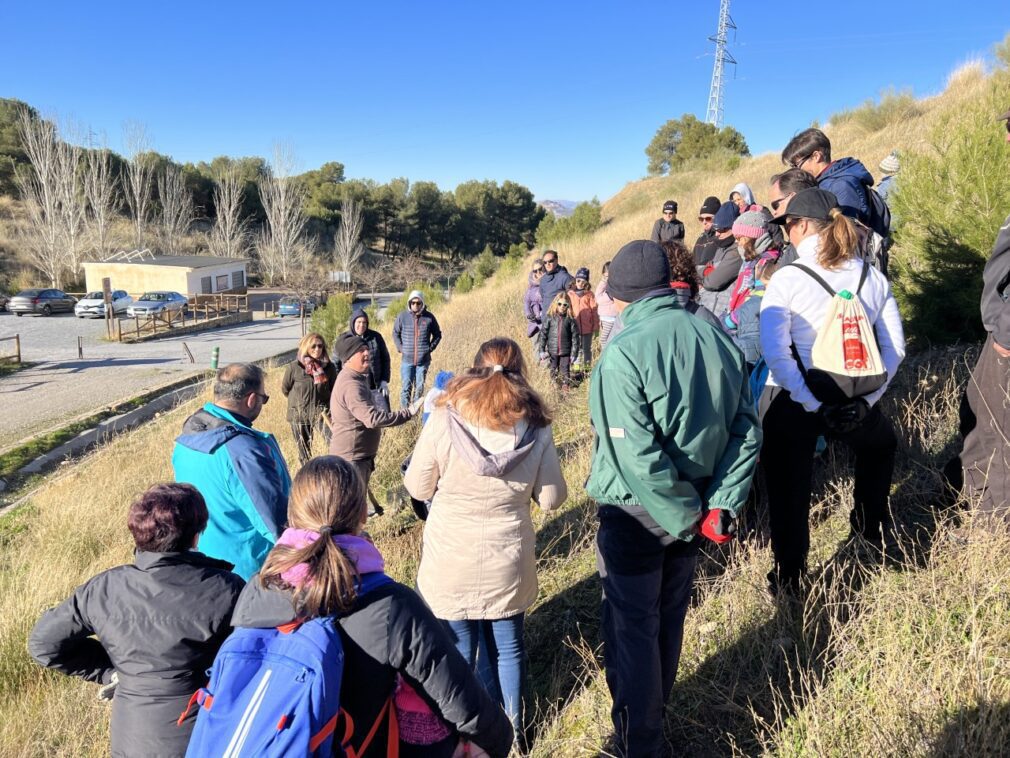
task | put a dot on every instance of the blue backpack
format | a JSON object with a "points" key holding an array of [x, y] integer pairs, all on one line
{"points": [[276, 692]]}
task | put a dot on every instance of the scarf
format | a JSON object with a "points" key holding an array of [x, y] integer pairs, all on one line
{"points": [[315, 369], [360, 550]]}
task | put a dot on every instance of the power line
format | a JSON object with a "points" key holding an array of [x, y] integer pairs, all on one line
{"points": [[722, 57]]}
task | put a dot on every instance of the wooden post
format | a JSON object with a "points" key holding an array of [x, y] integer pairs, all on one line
{"points": [[17, 348], [191, 358], [80, 348], [119, 328]]}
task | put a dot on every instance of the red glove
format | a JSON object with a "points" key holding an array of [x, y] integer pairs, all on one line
{"points": [[718, 525]]}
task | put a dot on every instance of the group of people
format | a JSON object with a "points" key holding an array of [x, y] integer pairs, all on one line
{"points": [[684, 398]]}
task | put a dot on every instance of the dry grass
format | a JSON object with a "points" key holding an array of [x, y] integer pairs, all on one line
{"points": [[904, 658]]}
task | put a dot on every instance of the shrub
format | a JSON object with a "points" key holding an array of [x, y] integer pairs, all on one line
{"points": [[951, 201], [333, 318], [514, 259], [871, 116], [485, 264], [585, 219], [464, 283]]}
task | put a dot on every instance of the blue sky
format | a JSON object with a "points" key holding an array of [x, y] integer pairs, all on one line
{"points": [[562, 97]]}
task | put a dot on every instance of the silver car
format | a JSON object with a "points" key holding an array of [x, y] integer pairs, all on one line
{"points": [[157, 304], [93, 304]]}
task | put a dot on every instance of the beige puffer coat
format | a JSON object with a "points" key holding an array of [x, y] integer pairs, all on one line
{"points": [[478, 558]]}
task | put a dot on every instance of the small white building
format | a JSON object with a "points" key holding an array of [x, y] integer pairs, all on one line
{"points": [[187, 274]]}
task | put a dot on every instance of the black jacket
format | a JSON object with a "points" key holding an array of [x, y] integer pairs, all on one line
{"points": [[684, 299], [996, 289], [306, 399], [378, 369], [559, 336], [667, 231], [159, 624], [391, 630]]}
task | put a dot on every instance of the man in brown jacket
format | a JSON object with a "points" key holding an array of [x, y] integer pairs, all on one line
{"points": [[356, 421]]}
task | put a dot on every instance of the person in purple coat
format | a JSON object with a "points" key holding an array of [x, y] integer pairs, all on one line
{"points": [[533, 305]]}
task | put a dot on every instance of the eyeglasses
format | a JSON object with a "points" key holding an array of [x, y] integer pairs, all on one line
{"points": [[706, 219], [261, 396], [776, 203], [801, 161]]}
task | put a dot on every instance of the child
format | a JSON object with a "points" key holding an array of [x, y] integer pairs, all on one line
{"points": [[755, 244], [745, 329], [586, 315], [606, 307], [559, 339]]}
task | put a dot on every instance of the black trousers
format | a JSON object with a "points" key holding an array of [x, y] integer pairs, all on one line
{"points": [[986, 453], [787, 456], [561, 369], [646, 591], [303, 432]]}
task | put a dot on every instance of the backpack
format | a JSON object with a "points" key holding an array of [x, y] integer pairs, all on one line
{"points": [[875, 245], [846, 359], [276, 692]]}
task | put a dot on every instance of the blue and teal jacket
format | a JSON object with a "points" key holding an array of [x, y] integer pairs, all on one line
{"points": [[241, 473]]}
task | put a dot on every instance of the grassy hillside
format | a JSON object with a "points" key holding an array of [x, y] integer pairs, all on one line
{"points": [[908, 658]]}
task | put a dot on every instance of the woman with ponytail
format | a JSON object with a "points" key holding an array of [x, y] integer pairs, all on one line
{"points": [[485, 453], [794, 308], [391, 640]]}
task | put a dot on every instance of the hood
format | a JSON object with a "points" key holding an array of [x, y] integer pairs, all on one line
{"points": [[530, 282], [847, 167], [355, 315], [209, 428], [745, 192], [416, 295], [259, 607], [480, 460]]}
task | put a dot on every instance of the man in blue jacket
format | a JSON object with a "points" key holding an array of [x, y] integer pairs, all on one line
{"points": [[416, 334], [240, 471], [846, 178]]}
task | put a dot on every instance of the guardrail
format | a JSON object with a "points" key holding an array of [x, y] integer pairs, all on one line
{"points": [[16, 339]]}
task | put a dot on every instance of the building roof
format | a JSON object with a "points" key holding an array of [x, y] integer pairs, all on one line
{"points": [[180, 261]]}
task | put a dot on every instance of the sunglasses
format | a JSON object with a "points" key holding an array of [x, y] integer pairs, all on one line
{"points": [[261, 396], [550, 260], [562, 307], [538, 271], [776, 203], [706, 219], [316, 347], [415, 302]]}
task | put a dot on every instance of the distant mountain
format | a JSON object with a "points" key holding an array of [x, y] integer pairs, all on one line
{"points": [[560, 208]]}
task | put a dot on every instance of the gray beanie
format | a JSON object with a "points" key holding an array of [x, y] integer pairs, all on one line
{"points": [[640, 267]]}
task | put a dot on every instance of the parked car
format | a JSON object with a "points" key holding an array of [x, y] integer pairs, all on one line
{"points": [[44, 302], [157, 304], [290, 306], [93, 304]]}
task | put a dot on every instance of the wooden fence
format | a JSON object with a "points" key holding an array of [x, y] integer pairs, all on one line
{"points": [[200, 308], [16, 339]]}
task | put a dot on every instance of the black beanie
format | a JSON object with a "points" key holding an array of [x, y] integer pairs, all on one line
{"points": [[348, 345], [710, 207], [640, 267]]}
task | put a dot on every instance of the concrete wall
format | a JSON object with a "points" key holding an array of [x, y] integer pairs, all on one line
{"points": [[137, 278]]}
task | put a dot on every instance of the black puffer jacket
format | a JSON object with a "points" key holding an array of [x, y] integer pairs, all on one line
{"points": [[159, 624], [559, 336], [391, 630], [306, 399], [378, 366]]}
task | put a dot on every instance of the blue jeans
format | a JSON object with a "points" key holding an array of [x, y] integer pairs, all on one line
{"points": [[505, 673], [412, 383]]}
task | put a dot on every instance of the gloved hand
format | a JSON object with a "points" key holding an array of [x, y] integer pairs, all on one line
{"points": [[108, 690], [384, 388], [416, 406], [718, 525], [842, 418], [544, 356]]}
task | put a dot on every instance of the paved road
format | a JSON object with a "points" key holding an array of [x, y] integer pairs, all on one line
{"points": [[62, 386]]}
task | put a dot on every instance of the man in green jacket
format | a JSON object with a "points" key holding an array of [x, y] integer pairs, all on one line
{"points": [[677, 440]]}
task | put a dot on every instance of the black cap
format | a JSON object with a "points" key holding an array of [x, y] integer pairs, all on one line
{"points": [[670, 205], [809, 203], [348, 345], [710, 207], [640, 267]]}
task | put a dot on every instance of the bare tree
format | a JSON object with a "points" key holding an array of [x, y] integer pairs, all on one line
{"points": [[411, 268], [347, 247], [40, 232], [230, 236], [283, 197], [103, 201], [72, 205], [374, 276], [139, 170], [176, 208]]}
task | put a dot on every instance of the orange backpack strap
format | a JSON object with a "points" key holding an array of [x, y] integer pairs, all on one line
{"points": [[328, 729], [393, 736]]}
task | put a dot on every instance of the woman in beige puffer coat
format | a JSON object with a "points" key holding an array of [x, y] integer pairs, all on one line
{"points": [[485, 453]]}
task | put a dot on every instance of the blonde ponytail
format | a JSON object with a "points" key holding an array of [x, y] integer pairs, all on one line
{"points": [[838, 240]]}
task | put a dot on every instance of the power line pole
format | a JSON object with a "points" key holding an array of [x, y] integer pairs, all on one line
{"points": [[722, 57]]}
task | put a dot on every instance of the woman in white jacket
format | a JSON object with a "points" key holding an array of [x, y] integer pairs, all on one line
{"points": [[792, 313], [486, 452]]}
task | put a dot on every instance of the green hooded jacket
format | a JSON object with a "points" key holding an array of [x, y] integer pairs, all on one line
{"points": [[676, 430]]}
